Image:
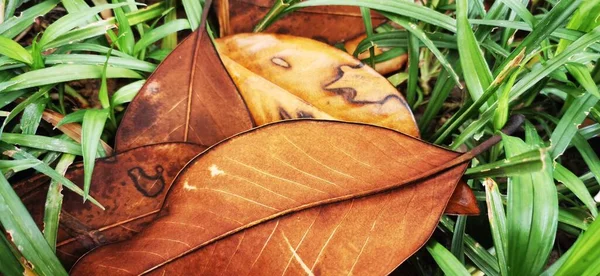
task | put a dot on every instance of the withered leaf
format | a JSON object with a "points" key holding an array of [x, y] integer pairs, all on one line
{"points": [[156, 116], [330, 24], [266, 66], [294, 197], [131, 185], [189, 98]]}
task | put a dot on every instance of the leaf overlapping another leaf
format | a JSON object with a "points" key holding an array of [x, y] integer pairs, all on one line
{"points": [[131, 185], [245, 185]]}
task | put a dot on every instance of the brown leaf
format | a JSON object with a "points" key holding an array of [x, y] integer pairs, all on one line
{"points": [[297, 197], [463, 201], [157, 112], [189, 98], [131, 185], [330, 24], [315, 74]]}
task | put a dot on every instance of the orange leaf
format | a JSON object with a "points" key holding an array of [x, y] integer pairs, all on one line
{"points": [[298, 196]]}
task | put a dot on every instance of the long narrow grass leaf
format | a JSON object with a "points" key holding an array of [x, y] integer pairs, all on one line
{"points": [[19, 154], [444, 258], [24, 233], [14, 50], [404, 8], [497, 218], [70, 21], [64, 73], [54, 200], [92, 126]]}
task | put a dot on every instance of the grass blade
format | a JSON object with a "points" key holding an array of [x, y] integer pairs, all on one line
{"points": [[74, 117], [404, 8], [420, 34], [193, 11], [17, 165], [532, 214], [14, 50], [520, 10], [582, 74], [366, 15], [125, 40], [70, 21], [21, 106], [32, 115], [476, 253], [584, 256], [444, 258], [99, 28], [476, 72], [63, 73], [159, 33], [126, 93], [54, 202], [552, 20], [458, 245], [17, 24], [575, 185], [568, 125], [25, 234], [118, 62], [170, 40], [497, 220], [8, 257], [584, 19], [92, 126], [525, 163], [19, 154], [42, 142]]}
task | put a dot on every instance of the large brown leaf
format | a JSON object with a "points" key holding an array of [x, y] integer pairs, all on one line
{"points": [[310, 197], [330, 24], [189, 98], [131, 185]]}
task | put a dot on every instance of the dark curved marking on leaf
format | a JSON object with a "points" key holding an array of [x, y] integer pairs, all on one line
{"points": [[350, 93], [281, 62], [284, 115], [148, 185]]}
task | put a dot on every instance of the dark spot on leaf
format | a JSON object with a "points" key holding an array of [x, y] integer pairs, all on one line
{"points": [[148, 185]]}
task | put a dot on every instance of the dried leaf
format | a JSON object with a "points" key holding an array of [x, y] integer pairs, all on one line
{"points": [[315, 74], [463, 201], [297, 197], [189, 98], [330, 24], [270, 96], [131, 185]]}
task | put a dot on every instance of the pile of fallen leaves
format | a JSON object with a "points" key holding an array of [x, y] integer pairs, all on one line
{"points": [[335, 182]]}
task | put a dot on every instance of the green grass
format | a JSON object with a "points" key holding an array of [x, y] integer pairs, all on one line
{"points": [[536, 58]]}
